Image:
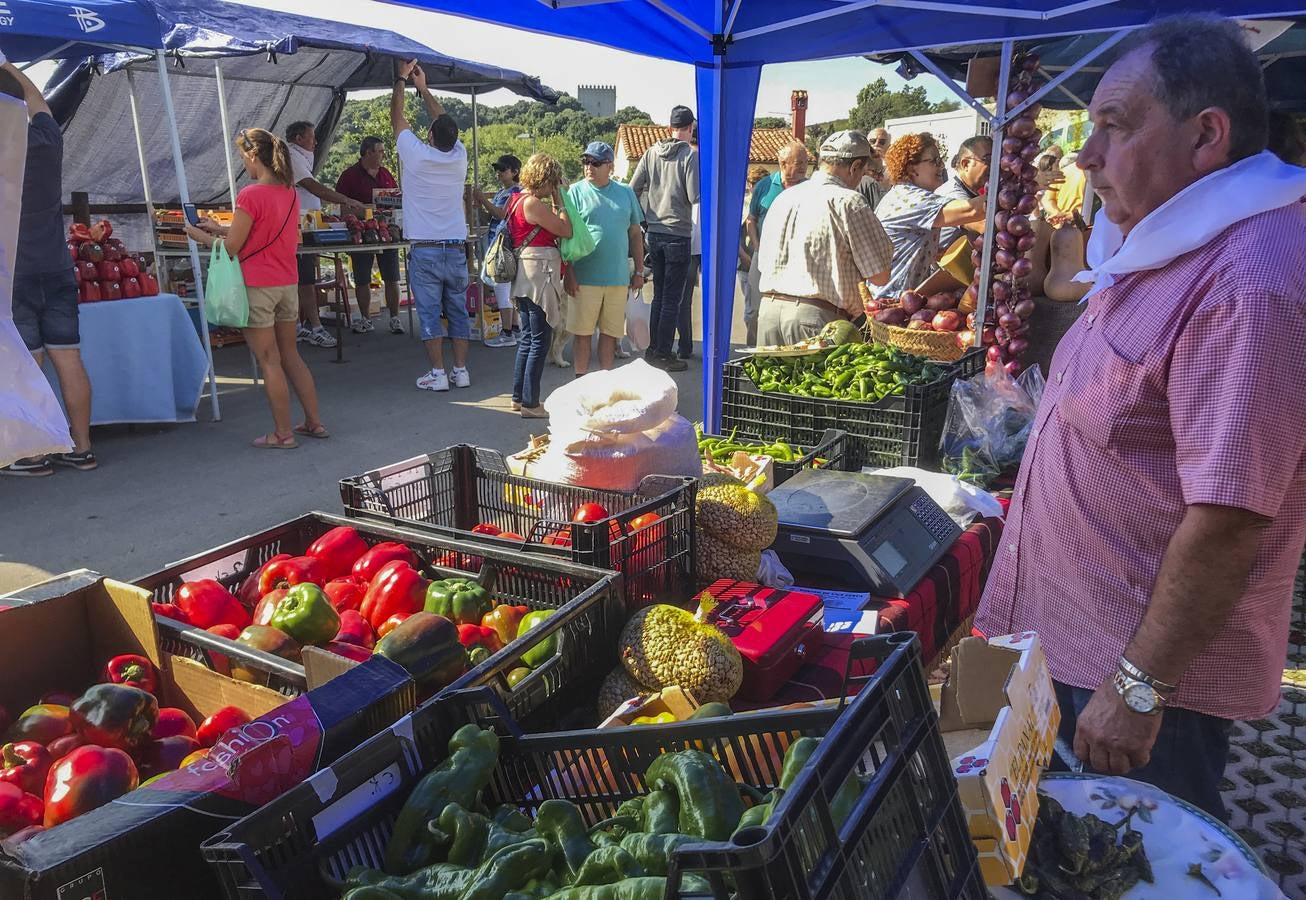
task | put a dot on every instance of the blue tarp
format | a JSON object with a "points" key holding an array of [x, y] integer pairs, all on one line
{"points": [[728, 41], [35, 29]]}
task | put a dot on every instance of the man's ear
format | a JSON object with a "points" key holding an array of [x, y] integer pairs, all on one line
{"points": [[1212, 139]]}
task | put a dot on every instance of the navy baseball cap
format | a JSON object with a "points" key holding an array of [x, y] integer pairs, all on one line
{"points": [[599, 151], [681, 116]]}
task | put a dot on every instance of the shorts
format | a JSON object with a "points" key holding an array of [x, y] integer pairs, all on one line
{"points": [[45, 310], [604, 307], [272, 304], [437, 276], [389, 265], [308, 273]]}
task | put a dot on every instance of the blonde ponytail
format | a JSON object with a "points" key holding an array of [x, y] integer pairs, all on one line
{"points": [[270, 150]]}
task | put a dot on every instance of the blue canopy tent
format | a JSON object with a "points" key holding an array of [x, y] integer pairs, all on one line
{"points": [[32, 30], [728, 42]]}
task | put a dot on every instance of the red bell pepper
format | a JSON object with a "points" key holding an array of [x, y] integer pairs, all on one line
{"points": [[110, 290], [172, 721], [132, 669], [116, 715], [338, 550], [371, 562], [131, 287], [355, 630], [286, 573], [207, 603], [268, 605], [249, 592], [481, 642], [226, 630], [170, 611], [348, 651], [486, 528], [25, 764], [149, 285], [86, 779], [346, 592], [18, 809], [61, 747], [218, 724], [79, 233], [397, 588], [391, 624], [130, 268], [42, 723], [108, 270], [89, 292]]}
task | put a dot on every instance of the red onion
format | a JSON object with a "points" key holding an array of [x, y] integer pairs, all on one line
{"points": [[1025, 243], [999, 222], [893, 316], [1008, 198], [1011, 162], [1018, 225], [1034, 109], [1015, 98], [1001, 335], [1026, 204], [922, 315], [1021, 268], [1022, 127], [1011, 144], [976, 259], [1017, 346], [911, 302], [1029, 151], [1012, 367], [1003, 259], [1000, 291], [977, 242], [1001, 309], [989, 335], [1005, 240], [994, 354], [1009, 321]]}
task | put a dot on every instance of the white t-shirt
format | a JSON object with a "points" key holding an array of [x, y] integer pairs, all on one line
{"points": [[301, 167], [432, 181], [696, 236]]}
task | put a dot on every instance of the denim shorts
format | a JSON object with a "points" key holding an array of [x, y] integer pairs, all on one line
{"points": [[438, 279], [45, 310]]}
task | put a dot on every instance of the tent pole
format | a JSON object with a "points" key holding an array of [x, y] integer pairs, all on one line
{"points": [[476, 161], [226, 130], [995, 168], [134, 100], [954, 87], [184, 194]]}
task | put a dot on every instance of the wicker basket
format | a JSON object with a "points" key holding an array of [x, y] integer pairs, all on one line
{"points": [[940, 345]]}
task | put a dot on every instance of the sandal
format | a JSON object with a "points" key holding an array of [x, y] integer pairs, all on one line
{"points": [[274, 441], [318, 431]]}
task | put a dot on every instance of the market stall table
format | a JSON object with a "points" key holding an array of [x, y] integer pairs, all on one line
{"points": [[144, 360], [341, 284]]}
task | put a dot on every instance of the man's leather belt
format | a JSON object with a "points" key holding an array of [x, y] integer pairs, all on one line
{"points": [[451, 243], [812, 301]]}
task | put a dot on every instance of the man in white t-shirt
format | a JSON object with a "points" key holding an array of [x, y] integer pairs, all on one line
{"points": [[433, 180], [301, 138]]}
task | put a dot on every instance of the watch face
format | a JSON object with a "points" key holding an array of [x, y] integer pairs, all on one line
{"points": [[1140, 698]]}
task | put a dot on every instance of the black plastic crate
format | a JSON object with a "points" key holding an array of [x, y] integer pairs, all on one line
{"points": [[453, 490], [589, 602], [828, 453], [899, 430], [906, 837], [1299, 597]]}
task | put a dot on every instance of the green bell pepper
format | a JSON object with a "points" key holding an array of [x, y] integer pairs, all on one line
{"points": [[647, 888], [306, 614], [653, 851], [473, 756], [546, 649], [512, 868], [710, 806], [561, 824], [460, 600]]}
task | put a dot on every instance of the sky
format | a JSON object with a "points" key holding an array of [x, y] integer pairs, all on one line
{"points": [[652, 85]]}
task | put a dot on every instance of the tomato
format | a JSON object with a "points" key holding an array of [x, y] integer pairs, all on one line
{"points": [[589, 513]]}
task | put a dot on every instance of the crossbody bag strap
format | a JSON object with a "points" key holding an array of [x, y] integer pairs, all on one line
{"points": [[516, 250], [289, 212]]}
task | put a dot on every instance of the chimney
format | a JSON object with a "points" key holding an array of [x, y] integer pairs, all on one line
{"points": [[798, 107]]}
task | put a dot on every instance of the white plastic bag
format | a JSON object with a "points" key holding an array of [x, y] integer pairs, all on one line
{"points": [[619, 462], [959, 500], [772, 573], [638, 311], [634, 398]]}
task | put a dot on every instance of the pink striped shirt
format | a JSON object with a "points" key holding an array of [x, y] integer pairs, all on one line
{"points": [[1181, 385]]}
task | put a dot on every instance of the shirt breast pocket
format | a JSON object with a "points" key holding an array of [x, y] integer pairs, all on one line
{"points": [[1113, 397]]}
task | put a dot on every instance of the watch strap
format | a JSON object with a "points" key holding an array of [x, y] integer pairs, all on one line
{"points": [[1123, 683], [1138, 674]]}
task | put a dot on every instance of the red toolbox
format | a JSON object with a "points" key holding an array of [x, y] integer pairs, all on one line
{"points": [[773, 629]]}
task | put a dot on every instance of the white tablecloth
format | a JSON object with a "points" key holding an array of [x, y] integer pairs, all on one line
{"points": [[144, 359]]}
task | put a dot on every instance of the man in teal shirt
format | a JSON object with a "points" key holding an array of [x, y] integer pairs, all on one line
{"points": [[793, 170], [603, 279]]}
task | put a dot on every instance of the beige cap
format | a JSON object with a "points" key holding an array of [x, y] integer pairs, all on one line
{"points": [[845, 145]]}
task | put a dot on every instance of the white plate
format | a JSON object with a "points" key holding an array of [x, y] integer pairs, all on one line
{"points": [[1176, 835]]}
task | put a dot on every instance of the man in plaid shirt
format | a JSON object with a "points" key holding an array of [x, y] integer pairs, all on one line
{"points": [[1160, 510]]}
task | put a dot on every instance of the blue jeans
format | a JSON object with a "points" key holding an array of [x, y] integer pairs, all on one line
{"points": [[1187, 760], [669, 257], [532, 351], [685, 324], [45, 310], [439, 279]]}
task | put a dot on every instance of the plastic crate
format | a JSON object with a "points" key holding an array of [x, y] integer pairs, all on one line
{"points": [[590, 609], [906, 836], [453, 490], [895, 431], [1299, 596], [829, 450]]}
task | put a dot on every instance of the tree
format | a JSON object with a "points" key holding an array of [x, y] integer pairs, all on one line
{"points": [[876, 104], [770, 122], [632, 115]]}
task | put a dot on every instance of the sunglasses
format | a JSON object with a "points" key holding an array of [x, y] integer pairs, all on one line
{"points": [[881, 142], [589, 161], [245, 143]]}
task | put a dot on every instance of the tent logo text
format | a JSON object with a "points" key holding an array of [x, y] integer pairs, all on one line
{"points": [[87, 20], [6, 15]]}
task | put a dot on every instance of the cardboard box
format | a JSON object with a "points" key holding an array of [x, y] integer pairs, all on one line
{"points": [[146, 843], [999, 717], [680, 703]]}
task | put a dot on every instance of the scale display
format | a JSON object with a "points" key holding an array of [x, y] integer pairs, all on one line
{"points": [[869, 532]]}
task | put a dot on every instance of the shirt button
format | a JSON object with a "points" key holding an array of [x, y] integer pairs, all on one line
{"points": [[1034, 433], [1011, 548], [1061, 376], [1092, 317]]}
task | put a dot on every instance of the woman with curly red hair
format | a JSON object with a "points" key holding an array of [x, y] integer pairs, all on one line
{"points": [[912, 213]]}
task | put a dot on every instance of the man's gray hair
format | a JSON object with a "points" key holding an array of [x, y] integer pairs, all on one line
{"points": [[789, 150], [1204, 61], [296, 130]]}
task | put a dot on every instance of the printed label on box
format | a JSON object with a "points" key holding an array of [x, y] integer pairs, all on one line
{"points": [[88, 887]]}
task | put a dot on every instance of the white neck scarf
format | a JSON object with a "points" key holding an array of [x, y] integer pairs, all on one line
{"points": [[1191, 218]]}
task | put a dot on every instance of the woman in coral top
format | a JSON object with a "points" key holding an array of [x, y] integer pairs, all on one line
{"points": [[264, 235]]}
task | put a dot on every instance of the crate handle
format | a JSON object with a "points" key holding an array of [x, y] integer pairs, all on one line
{"points": [[266, 661], [462, 698], [878, 648]]}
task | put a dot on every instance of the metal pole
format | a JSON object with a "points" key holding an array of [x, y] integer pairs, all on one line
{"points": [[476, 159], [226, 131], [991, 208], [184, 194], [145, 169]]}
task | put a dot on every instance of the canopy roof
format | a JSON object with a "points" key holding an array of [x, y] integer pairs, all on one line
{"points": [[37, 29]]}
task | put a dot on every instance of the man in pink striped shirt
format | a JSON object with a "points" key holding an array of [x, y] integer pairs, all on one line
{"points": [[1161, 506]]}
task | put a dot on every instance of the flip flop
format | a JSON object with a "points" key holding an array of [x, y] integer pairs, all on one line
{"points": [[276, 442], [320, 432]]}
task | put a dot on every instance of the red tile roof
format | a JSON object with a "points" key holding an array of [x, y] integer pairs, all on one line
{"points": [[765, 146]]}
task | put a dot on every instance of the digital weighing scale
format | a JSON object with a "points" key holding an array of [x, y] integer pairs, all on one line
{"points": [[871, 532]]}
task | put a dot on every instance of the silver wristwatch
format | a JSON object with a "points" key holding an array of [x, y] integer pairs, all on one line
{"points": [[1141, 692]]}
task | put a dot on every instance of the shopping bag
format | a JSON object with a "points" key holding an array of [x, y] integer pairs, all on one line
{"points": [[637, 321], [225, 300], [581, 243]]}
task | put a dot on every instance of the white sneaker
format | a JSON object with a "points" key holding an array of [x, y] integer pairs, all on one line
{"points": [[501, 340], [461, 378], [362, 325], [434, 380], [621, 352], [320, 337], [302, 334], [397, 325]]}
